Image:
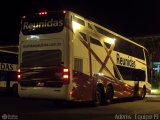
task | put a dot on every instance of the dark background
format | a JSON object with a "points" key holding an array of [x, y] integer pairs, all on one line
{"points": [[130, 18]]}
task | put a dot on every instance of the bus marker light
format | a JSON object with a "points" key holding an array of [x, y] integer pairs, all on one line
{"points": [[24, 17], [42, 13], [64, 11], [19, 70], [71, 92], [19, 76]]}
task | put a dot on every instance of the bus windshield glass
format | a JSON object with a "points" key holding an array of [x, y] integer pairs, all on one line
{"points": [[43, 22]]}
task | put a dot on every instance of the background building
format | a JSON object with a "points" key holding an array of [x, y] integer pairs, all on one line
{"points": [[152, 43]]}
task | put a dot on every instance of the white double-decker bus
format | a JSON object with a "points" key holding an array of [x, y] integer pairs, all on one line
{"points": [[8, 69], [64, 56]]}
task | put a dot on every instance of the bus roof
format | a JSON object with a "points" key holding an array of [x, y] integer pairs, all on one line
{"points": [[97, 25]]}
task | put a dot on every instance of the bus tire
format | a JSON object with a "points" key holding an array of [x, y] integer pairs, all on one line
{"points": [[14, 89], [97, 97], [109, 94], [143, 93]]}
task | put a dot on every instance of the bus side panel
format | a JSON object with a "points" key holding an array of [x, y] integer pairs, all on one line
{"points": [[82, 87], [82, 84]]}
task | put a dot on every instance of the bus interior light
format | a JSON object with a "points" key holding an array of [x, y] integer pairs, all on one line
{"points": [[110, 40], [76, 26]]}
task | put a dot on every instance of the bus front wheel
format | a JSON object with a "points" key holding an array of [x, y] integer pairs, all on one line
{"points": [[97, 98], [143, 93], [14, 90]]}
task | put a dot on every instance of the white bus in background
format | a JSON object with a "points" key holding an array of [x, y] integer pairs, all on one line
{"points": [[8, 70], [64, 56]]}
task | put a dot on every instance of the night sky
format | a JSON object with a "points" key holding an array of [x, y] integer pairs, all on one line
{"points": [[130, 18]]}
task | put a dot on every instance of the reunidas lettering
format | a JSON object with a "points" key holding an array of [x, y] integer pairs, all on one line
{"points": [[6, 67], [45, 24], [125, 62]]}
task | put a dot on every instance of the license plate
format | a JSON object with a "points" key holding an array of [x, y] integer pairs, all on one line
{"points": [[40, 84]]}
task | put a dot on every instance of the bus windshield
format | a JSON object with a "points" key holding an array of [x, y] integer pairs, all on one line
{"points": [[43, 22]]}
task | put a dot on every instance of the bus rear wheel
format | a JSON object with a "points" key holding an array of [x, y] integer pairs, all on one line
{"points": [[109, 95]]}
